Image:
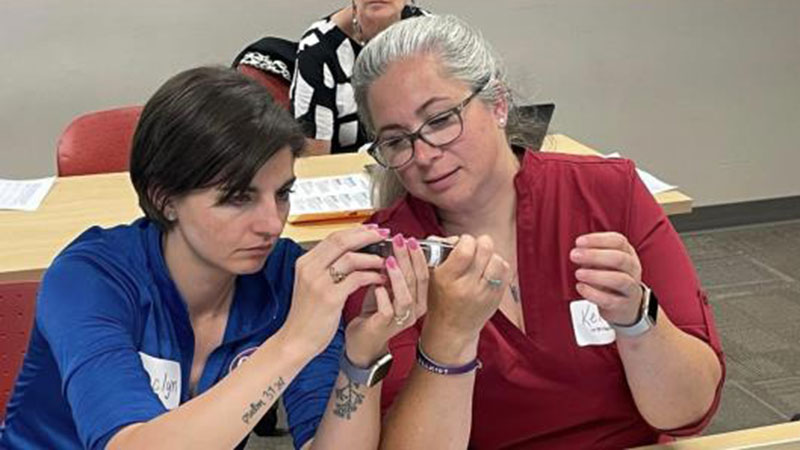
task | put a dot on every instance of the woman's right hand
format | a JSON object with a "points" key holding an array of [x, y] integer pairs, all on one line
{"points": [[387, 311], [465, 291], [324, 279]]}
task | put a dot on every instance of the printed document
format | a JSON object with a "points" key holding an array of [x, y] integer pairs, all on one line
{"points": [[24, 195], [653, 184], [324, 198]]}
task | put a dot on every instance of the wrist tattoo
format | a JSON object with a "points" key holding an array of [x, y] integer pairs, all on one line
{"points": [[268, 397], [347, 400]]}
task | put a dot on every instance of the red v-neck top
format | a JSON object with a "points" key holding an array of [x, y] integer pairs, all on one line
{"points": [[540, 389]]}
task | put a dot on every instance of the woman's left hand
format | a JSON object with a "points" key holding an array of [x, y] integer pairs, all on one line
{"points": [[609, 275], [387, 312]]}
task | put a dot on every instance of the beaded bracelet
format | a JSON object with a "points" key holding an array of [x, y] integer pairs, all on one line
{"points": [[430, 365]]}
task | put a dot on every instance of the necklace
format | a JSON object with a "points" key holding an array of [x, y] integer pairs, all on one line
{"points": [[514, 288], [514, 292]]}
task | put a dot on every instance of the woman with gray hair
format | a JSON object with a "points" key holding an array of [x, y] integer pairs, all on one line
{"points": [[568, 305]]}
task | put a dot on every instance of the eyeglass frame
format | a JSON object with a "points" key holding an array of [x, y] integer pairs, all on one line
{"points": [[373, 149]]}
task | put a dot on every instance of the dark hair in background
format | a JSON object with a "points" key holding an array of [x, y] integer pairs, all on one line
{"points": [[208, 126]]}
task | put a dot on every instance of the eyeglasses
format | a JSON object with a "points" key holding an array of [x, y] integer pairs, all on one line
{"points": [[395, 151]]}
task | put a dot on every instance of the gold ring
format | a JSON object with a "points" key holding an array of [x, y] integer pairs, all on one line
{"points": [[400, 320], [336, 276]]}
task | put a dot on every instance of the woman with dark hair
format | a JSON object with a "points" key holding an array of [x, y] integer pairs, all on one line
{"points": [[568, 315], [321, 93], [181, 329]]}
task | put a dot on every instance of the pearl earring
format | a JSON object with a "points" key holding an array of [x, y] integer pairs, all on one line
{"points": [[502, 122], [171, 216], [357, 26]]}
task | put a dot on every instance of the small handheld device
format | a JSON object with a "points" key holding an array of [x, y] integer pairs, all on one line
{"points": [[435, 251]]}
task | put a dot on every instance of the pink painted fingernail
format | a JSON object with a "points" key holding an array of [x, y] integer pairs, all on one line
{"points": [[391, 263], [384, 232], [413, 244], [399, 241], [371, 226]]}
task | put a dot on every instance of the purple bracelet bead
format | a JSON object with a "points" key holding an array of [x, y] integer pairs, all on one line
{"points": [[432, 366]]}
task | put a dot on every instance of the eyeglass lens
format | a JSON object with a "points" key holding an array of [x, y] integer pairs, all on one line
{"points": [[437, 131]]}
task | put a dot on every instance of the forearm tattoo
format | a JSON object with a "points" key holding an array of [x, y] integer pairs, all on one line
{"points": [[268, 397], [347, 400]]}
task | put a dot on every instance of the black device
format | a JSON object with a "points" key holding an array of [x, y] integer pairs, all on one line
{"points": [[540, 114], [435, 251]]}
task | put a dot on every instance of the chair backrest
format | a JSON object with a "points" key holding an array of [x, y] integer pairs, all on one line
{"points": [[270, 61], [277, 87], [98, 142], [17, 304], [540, 114]]}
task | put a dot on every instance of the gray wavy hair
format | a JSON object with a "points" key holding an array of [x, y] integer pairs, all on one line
{"points": [[464, 55]]}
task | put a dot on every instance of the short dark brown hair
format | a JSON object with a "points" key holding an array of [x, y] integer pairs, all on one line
{"points": [[208, 126]]}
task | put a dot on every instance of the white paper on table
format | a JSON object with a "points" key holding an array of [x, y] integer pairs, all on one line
{"points": [[653, 184], [345, 194], [24, 195]]}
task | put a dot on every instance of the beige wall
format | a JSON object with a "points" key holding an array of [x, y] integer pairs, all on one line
{"points": [[706, 93]]}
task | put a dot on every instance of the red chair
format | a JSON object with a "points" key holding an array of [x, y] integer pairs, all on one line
{"points": [[98, 142], [270, 61], [17, 305], [276, 85]]}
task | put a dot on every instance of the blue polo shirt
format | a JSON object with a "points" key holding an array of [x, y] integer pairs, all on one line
{"points": [[112, 343]]}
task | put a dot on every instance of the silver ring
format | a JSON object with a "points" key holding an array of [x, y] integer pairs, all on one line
{"points": [[336, 276], [494, 283], [400, 320]]}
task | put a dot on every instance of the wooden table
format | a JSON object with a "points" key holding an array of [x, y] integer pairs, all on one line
{"points": [[673, 202], [785, 436], [30, 240]]}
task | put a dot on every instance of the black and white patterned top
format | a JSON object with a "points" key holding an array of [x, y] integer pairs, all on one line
{"points": [[321, 93]]}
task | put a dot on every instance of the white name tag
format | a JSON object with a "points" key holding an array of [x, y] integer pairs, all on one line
{"points": [[165, 379], [590, 328]]}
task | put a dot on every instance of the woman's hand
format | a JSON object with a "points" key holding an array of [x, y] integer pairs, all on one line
{"points": [[381, 317], [609, 275], [465, 292], [324, 278]]}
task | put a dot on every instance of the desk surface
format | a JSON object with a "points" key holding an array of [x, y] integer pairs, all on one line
{"points": [[30, 240], [785, 436]]}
